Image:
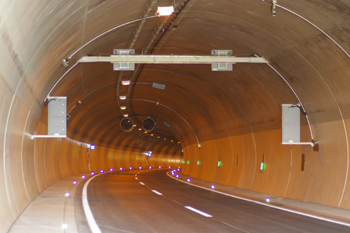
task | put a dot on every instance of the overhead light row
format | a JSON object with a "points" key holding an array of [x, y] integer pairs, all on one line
{"points": [[123, 97]]}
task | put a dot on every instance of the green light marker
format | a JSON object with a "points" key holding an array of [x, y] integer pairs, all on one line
{"points": [[262, 166]]}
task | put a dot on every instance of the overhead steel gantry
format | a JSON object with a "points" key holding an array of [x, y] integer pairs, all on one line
{"points": [[221, 60], [172, 59]]}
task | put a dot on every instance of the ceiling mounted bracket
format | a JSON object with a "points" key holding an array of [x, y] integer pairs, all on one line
{"points": [[65, 63], [273, 8], [221, 66], [124, 66]]}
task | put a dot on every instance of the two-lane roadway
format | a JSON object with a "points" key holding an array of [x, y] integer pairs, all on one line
{"points": [[150, 201]]}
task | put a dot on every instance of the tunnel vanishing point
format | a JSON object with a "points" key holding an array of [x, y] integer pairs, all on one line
{"points": [[217, 125]]}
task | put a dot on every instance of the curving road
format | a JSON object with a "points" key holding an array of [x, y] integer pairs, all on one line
{"points": [[152, 202]]}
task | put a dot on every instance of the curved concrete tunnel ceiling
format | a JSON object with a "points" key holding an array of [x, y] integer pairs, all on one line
{"points": [[230, 114]]}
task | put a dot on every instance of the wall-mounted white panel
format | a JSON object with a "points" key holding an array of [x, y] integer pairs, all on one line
{"points": [[290, 123], [57, 116]]}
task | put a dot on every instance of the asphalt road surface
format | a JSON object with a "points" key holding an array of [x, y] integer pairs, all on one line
{"points": [[152, 202]]}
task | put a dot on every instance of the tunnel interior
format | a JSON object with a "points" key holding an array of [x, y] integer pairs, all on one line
{"points": [[217, 126]]}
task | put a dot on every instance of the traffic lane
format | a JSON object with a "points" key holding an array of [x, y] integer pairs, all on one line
{"points": [[120, 203], [244, 215]]}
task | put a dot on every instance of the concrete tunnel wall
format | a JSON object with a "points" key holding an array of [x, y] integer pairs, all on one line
{"points": [[237, 115]]}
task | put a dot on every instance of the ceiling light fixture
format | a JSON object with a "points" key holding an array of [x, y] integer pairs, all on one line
{"points": [[125, 82], [126, 115], [122, 107], [122, 97], [165, 10]]}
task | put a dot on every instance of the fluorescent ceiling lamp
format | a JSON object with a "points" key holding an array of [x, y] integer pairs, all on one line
{"points": [[165, 10], [126, 82], [122, 107], [122, 97], [125, 115]]}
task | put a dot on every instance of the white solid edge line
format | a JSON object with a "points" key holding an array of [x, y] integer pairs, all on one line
{"points": [[156, 192], [198, 211], [271, 206], [141, 183], [88, 214]]}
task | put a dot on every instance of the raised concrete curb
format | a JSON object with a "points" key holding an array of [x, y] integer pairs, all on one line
{"points": [[50, 209]]}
